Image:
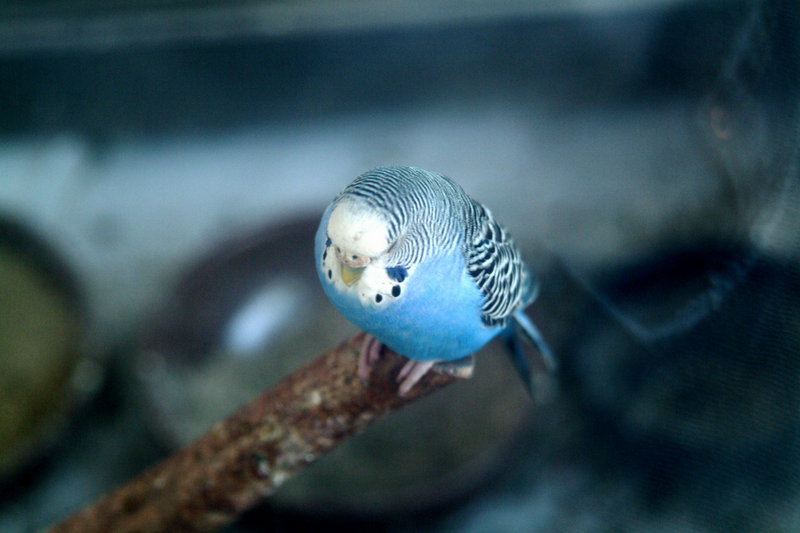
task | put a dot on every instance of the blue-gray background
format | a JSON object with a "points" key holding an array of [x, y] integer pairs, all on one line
{"points": [[136, 138]]}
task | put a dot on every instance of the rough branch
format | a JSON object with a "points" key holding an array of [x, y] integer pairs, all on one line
{"points": [[248, 455]]}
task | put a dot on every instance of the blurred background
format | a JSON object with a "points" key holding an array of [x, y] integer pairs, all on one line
{"points": [[163, 166]]}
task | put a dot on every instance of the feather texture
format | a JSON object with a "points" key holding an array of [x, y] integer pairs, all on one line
{"points": [[495, 262], [427, 213]]}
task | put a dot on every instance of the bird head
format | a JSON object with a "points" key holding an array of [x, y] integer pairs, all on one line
{"points": [[359, 236]]}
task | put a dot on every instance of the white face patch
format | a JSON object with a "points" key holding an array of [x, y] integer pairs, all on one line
{"points": [[358, 230], [374, 287]]}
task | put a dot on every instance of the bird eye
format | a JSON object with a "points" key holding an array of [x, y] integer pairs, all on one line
{"points": [[354, 257]]}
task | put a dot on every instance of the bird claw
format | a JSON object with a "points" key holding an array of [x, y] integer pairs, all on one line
{"points": [[411, 373], [370, 353]]}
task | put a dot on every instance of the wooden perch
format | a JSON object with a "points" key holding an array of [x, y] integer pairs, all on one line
{"points": [[247, 456]]}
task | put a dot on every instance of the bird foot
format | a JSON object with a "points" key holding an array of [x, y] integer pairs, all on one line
{"points": [[371, 350], [411, 373], [408, 376]]}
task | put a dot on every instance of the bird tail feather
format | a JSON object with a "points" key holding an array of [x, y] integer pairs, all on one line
{"points": [[532, 334], [522, 327]]}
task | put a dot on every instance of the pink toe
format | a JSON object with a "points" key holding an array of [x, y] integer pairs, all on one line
{"points": [[370, 353], [411, 373]]}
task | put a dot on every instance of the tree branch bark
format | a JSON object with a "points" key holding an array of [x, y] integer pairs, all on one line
{"points": [[247, 456]]}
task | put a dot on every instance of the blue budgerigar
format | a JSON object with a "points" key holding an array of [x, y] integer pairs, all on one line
{"points": [[424, 269]]}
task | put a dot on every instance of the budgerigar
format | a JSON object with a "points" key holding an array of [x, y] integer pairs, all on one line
{"points": [[424, 269]]}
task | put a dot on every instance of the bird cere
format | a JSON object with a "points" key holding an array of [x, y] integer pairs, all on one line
{"points": [[407, 256]]}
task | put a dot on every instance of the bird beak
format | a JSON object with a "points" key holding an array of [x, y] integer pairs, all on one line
{"points": [[350, 275]]}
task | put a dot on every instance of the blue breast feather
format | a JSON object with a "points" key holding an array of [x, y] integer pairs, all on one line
{"points": [[437, 316]]}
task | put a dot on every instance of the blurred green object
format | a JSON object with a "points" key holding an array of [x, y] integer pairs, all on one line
{"points": [[40, 330]]}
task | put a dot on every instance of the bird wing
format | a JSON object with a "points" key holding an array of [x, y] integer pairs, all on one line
{"points": [[496, 265]]}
